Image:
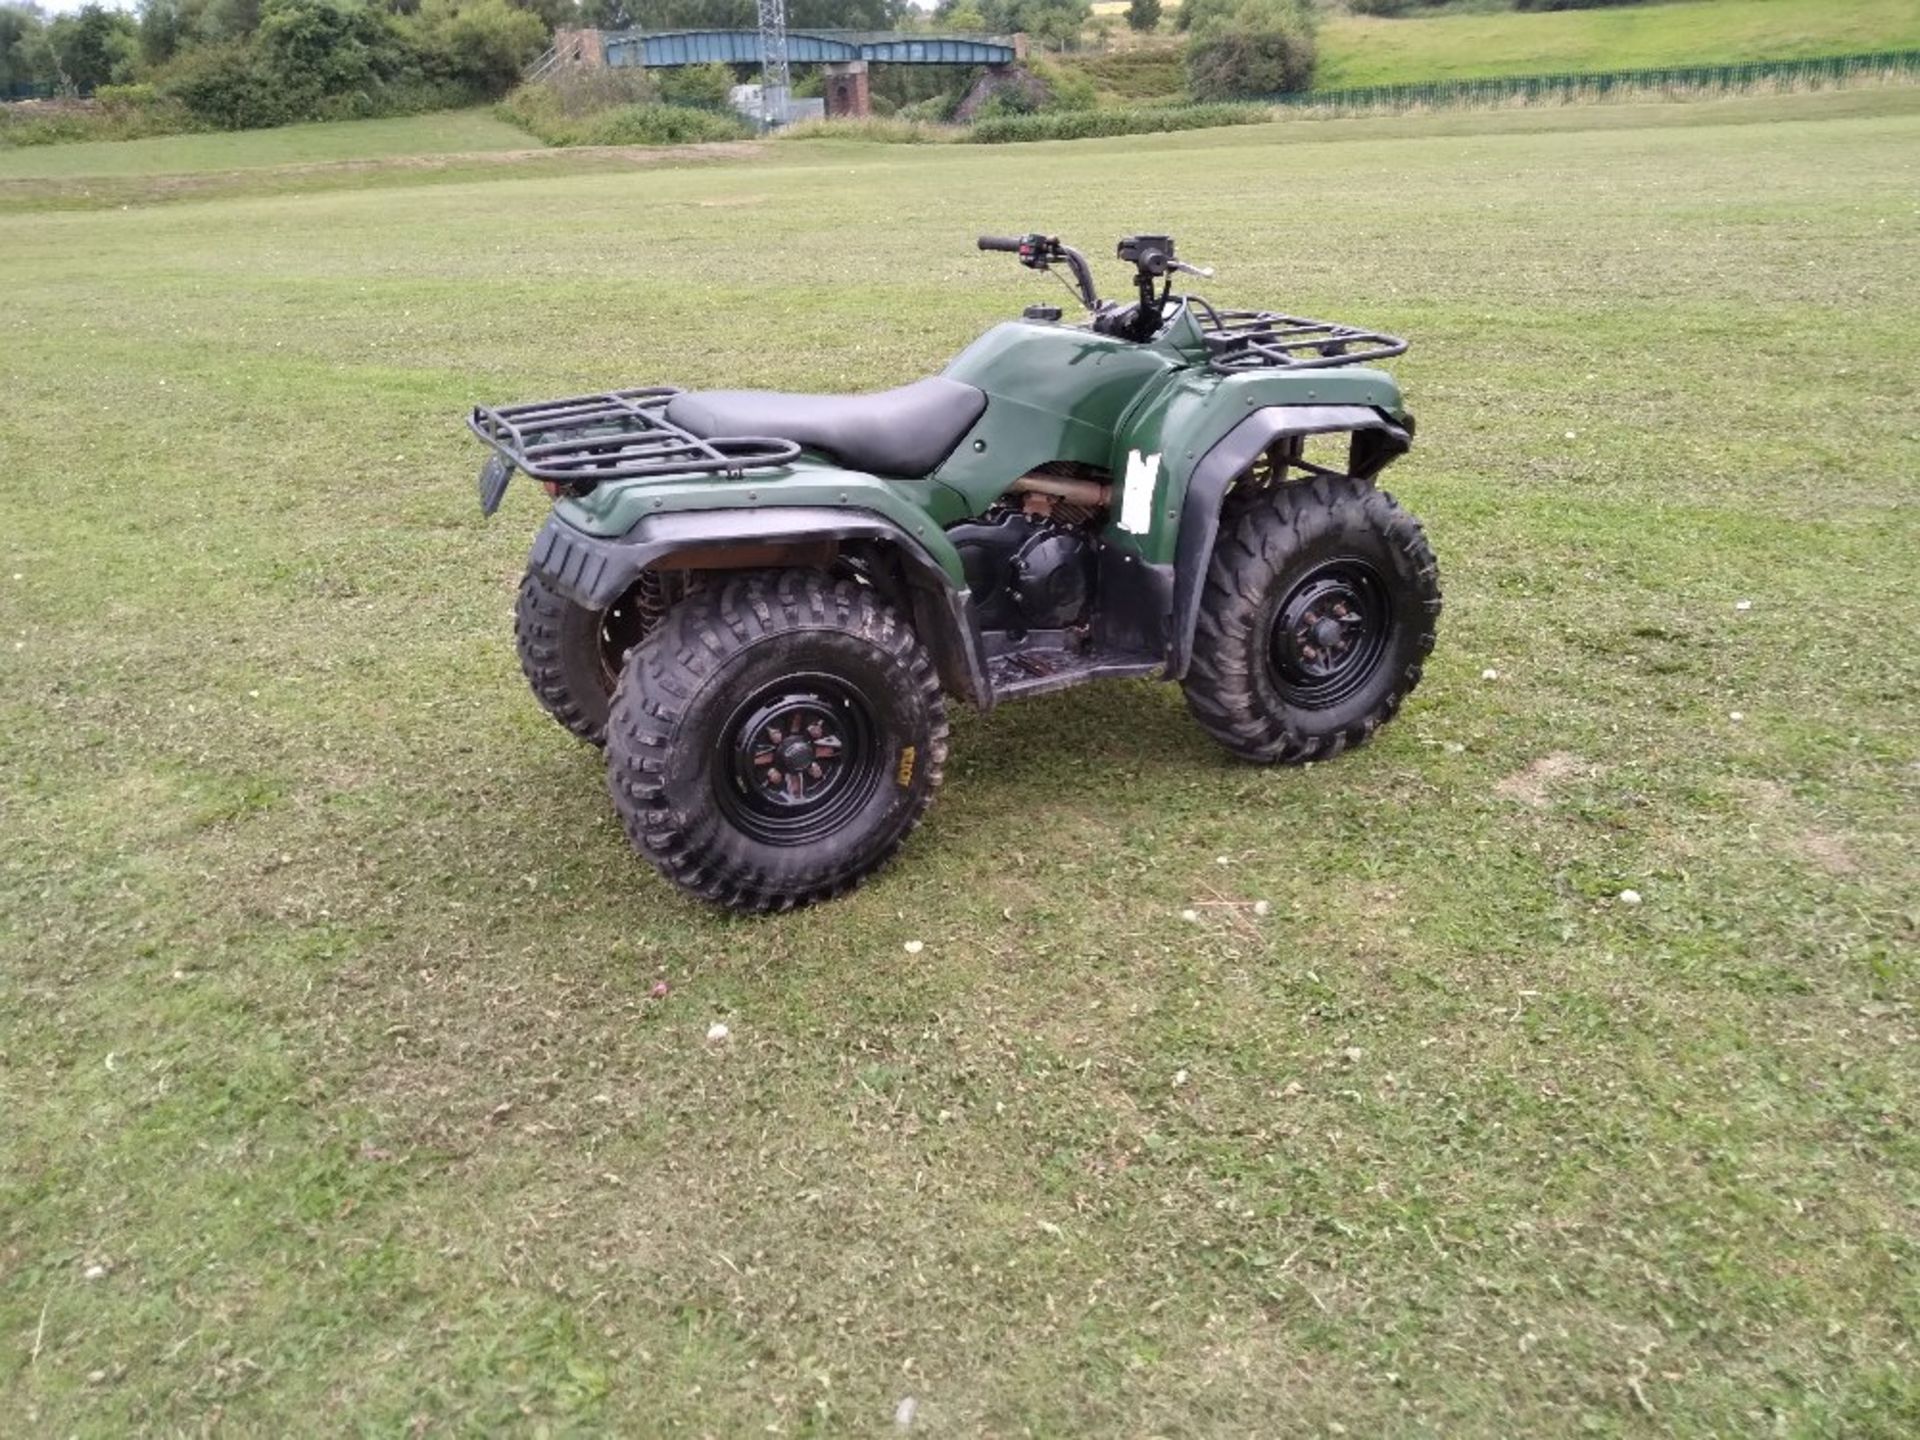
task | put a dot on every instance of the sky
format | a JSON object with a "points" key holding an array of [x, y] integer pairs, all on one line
{"points": [[67, 7]]}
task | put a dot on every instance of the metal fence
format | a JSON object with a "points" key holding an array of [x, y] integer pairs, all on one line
{"points": [[1674, 80]]}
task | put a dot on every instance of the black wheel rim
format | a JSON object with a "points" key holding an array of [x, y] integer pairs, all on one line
{"points": [[623, 625], [1330, 633], [798, 760]]}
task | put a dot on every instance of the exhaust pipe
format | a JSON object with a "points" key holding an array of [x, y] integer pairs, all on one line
{"points": [[1061, 487]]}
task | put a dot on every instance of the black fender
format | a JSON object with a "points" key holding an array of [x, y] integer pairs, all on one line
{"points": [[1378, 440], [596, 570]]}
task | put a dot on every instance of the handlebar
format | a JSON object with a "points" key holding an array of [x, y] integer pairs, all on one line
{"points": [[1041, 252], [1151, 255], [1158, 262]]}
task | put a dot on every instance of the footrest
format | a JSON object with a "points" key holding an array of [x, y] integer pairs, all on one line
{"points": [[1037, 672]]}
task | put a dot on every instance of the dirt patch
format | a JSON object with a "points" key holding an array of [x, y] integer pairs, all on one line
{"points": [[1772, 802], [1532, 786], [1764, 796], [628, 154], [1825, 850]]}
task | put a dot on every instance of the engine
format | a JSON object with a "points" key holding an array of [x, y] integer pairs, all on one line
{"points": [[1029, 567]]}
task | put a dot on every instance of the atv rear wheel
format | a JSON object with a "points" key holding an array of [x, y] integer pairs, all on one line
{"points": [[776, 739], [571, 655], [1319, 609]]}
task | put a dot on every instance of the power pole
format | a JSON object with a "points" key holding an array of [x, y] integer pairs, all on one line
{"points": [[774, 80]]}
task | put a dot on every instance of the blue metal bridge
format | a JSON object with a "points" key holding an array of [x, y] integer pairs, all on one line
{"points": [[660, 49]]}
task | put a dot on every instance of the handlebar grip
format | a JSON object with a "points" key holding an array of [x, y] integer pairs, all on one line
{"points": [[1000, 242]]}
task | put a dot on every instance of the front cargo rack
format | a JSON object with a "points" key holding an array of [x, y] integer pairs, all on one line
{"points": [[1240, 340], [616, 435]]}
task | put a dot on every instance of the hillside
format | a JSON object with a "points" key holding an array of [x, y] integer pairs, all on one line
{"points": [[1357, 50]]}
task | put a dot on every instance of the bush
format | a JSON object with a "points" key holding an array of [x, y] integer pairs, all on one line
{"points": [[1143, 15], [1263, 47], [558, 108], [577, 91], [312, 49], [127, 97], [482, 45], [1193, 14], [1036, 88], [1096, 124], [1055, 23], [934, 110], [893, 131], [706, 87], [343, 59], [220, 85], [559, 115], [56, 124], [1065, 89], [665, 125]]}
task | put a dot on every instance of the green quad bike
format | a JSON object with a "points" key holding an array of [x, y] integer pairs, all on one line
{"points": [[759, 602]]}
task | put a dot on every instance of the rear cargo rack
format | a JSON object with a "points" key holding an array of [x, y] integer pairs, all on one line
{"points": [[616, 435], [1262, 340]]}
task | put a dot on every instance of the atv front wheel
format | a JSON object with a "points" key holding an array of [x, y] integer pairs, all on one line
{"points": [[572, 655], [775, 740], [1319, 609]]}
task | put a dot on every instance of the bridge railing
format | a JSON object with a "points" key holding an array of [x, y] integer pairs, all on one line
{"points": [[657, 49]]}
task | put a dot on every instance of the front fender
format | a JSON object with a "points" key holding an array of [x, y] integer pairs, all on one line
{"points": [[1208, 450]]}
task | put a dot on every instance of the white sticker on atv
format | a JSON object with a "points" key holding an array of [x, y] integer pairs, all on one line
{"points": [[1136, 496]]}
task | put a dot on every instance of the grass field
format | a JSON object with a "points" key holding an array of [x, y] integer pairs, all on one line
{"points": [[334, 1096], [1358, 50], [448, 132]]}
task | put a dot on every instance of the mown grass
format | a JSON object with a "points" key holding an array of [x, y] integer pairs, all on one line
{"points": [[335, 1096], [445, 132], [1359, 50]]}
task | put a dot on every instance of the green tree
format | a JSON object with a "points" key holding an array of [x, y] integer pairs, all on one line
{"points": [[706, 87], [481, 44], [1194, 14], [553, 14], [740, 14], [93, 48], [24, 57], [964, 16], [1143, 15], [1259, 47], [216, 20], [164, 27], [318, 47], [1054, 22]]}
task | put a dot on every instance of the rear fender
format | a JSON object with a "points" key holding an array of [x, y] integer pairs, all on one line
{"points": [[596, 570]]}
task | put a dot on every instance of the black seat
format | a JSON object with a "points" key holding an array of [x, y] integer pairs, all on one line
{"points": [[896, 432]]}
